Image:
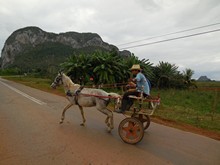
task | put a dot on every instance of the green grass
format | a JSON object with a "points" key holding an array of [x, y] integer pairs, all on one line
{"points": [[208, 84], [197, 107], [38, 83]]}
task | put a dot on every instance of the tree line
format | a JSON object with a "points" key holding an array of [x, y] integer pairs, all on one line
{"points": [[109, 68]]}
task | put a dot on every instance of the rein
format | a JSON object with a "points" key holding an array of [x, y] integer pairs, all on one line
{"points": [[110, 97], [99, 96]]}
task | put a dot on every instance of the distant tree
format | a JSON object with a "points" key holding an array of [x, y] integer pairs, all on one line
{"points": [[77, 67], [106, 67], [165, 75], [10, 71], [144, 63], [187, 75], [0, 62], [103, 67]]}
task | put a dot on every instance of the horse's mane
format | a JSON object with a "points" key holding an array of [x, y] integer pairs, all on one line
{"points": [[69, 82]]}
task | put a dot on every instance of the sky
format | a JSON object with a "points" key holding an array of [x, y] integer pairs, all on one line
{"points": [[120, 22]]}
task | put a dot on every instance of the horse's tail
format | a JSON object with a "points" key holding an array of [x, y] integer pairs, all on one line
{"points": [[117, 99]]}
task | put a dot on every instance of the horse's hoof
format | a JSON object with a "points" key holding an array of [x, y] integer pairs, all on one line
{"points": [[109, 130], [82, 124], [61, 121]]}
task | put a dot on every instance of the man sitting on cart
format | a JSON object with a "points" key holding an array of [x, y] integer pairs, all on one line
{"points": [[140, 83]]}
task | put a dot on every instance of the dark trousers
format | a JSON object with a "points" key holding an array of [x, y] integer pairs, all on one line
{"points": [[128, 102]]}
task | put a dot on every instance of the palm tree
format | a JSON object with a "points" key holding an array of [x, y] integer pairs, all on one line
{"points": [[144, 63], [187, 75], [106, 67], [76, 67], [164, 73]]}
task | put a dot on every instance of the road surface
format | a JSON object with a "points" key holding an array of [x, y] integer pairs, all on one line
{"points": [[30, 134]]}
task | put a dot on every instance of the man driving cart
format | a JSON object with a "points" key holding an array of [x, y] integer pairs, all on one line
{"points": [[140, 84]]}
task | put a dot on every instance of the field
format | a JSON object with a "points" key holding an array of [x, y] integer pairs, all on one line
{"points": [[199, 108]]}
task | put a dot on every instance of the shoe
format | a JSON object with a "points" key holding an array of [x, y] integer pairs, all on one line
{"points": [[118, 111]]}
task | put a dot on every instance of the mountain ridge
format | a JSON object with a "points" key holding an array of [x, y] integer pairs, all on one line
{"points": [[27, 39]]}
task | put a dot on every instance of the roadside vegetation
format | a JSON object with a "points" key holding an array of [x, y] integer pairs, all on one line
{"points": [[109, 68]]}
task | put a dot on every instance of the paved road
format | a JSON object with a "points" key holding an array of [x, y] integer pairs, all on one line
{"points": [[30, 134]]}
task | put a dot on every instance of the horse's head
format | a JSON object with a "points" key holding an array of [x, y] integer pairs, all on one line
{"points": [[57, 81]]}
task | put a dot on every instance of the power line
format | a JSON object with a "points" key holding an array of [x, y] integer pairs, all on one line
{"points": [[200, 27], [171, 39]]}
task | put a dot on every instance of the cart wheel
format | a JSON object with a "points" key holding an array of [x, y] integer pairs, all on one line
{"points": [[131, 130], [145, 119]]}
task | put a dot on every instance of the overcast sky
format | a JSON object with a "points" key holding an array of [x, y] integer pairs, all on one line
{"points": [[123, 21]]}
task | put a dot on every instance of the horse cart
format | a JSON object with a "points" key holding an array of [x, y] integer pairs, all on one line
{"points": [[137, 119], [131, 129]]}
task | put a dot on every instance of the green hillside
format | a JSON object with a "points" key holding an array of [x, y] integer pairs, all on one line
{"points": [[47, 56]]}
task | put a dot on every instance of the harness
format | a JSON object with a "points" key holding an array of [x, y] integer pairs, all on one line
{"points": [[75, 94]]}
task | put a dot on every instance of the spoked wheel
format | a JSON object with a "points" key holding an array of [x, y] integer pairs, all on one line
{"points": [[145, 119], [131, 130]]}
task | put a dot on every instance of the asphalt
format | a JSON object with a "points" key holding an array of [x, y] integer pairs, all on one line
{"points": [[30, 133]]}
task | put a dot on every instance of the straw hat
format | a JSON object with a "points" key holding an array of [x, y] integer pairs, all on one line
{"points": [[136, 67]]}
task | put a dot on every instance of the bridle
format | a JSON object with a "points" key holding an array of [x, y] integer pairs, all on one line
{"points": [[57, 80]]}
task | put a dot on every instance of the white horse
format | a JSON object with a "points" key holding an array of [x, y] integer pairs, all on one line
{"points": [[86, 97]]}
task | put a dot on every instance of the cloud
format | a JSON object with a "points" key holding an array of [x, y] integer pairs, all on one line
{"points": [[119, 21]]}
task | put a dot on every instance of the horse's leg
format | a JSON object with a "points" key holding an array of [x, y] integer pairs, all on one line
{"points": [[63, 113], [109, 116], [110, 124], [82, 113], [106, 121], [111, 120]]}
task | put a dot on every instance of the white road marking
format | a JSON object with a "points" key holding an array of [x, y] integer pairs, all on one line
{"points": [[24, 94]]}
